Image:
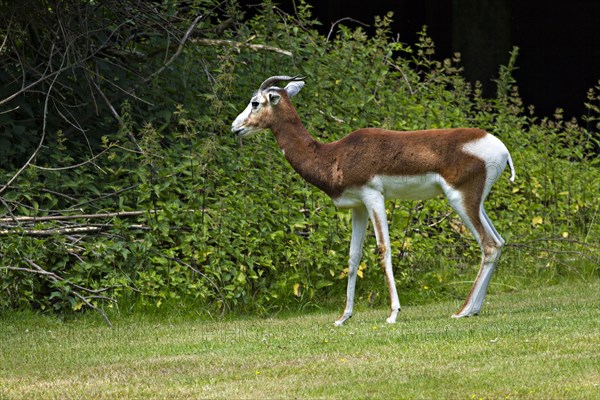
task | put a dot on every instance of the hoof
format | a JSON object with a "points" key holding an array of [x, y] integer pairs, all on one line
{"points": [[392, 318], [464, 315], [342, 319]]}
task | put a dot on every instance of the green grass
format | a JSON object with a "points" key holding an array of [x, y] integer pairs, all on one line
{"points": [[541, 343]]}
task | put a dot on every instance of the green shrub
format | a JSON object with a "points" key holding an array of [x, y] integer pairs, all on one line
{"points": [[229, 226]]}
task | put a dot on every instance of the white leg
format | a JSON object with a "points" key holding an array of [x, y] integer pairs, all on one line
{"points": [[375, 204], [490, 242], [359, 226]]}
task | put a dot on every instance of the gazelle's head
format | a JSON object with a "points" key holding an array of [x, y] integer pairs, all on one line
{"points": [[262, 109]]}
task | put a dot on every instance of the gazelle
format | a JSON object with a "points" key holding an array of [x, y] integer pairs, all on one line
{"points": [[371, 165]]}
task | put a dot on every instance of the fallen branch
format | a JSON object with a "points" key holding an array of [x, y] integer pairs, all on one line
{"points": [[76, 230], [70, 217]]}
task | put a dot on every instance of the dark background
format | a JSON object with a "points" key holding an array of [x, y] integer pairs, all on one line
{"points": [[559, 41]]}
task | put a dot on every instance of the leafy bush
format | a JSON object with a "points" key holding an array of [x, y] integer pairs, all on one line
{"points": [[192, 218]]}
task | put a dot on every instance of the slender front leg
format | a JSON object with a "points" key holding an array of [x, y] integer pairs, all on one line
{"points": [[375, 204], [359, 226]]}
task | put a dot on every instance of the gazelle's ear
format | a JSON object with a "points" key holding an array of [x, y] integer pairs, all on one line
{"points": [[293, 88], [274, 98]]}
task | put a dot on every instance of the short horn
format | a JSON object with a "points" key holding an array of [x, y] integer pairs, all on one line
{"points": [[274, 79]]}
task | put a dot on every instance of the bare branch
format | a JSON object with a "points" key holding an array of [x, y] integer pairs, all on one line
{"points": [[5, 37], [440, 220], [410, 89], [12, 218], [11, 110], [63, 68], [90, 160], [238, 45], [182, 42], [342, 20], [118, 117], [333, 117], [44, 121]]}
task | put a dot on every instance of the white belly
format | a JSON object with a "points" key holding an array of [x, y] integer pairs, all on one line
{"points": [[418, 187], [414, 187]]}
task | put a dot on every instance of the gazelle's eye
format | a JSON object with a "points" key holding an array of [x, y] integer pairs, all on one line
{"points": [[254, 104]]}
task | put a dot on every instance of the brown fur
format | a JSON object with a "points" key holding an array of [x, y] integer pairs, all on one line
{"points": [[353, 160]]}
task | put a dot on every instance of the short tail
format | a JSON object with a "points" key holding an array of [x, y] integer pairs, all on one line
{"points": [[512, 168]]}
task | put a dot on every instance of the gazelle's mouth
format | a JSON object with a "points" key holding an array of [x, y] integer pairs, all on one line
{"points": [[245, 131], [241, 131]]}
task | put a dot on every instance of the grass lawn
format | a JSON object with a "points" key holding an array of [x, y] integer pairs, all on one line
{"points": [[538, 344]]}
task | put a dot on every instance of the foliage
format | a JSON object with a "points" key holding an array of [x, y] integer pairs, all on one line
{"points": [[227, 226]]}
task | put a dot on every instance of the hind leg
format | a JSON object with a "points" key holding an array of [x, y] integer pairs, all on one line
{"points": [[490, 255], [473, 215]]}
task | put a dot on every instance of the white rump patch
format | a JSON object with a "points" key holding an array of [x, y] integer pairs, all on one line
{"points": [[493, 152]]}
